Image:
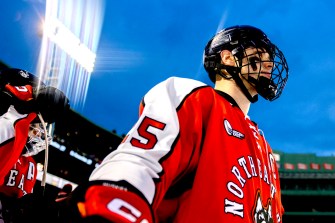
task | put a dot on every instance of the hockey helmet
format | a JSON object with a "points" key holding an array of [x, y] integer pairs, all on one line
{"points": [[49, 101], [237, 39]]}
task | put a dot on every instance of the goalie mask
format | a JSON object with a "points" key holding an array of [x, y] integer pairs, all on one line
{"points": [[239, 40], [38, 140]]}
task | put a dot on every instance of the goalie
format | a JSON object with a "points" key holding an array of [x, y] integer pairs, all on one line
{"points": [[27, 105]]}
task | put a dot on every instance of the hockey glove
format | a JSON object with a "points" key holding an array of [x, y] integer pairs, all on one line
{"points": [[34, 208], [51, 103], [102, 201]]}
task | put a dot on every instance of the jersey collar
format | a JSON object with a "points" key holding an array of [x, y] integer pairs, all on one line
{"points": [[228, 98]]}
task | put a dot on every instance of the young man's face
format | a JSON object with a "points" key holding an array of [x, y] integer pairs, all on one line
{"points": [[255, 63]]}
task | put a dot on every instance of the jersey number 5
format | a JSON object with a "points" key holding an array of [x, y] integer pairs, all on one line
{"points": [[143, 132]]}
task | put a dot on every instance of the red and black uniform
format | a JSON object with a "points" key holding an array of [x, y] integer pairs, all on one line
{"points": [[21, 179], [194, 156], [17, 173], [13, 137], [22, 97]]}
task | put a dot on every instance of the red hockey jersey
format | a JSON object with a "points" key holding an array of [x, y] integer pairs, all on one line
{"points": [[14, 129], [196, 157], [21, 178]]}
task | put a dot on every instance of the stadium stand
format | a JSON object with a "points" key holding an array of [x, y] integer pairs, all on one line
{"points": [[308, 187]]}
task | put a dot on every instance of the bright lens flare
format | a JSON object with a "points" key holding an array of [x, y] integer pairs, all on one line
{"points": [[71, 34], [71, 44]]}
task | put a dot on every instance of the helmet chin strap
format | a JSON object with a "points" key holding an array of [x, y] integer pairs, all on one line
{"points": [[234, 71], [266, 88]]}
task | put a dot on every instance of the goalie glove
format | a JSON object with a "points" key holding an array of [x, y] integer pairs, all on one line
{"points": [[103, 201], [51, 103]]}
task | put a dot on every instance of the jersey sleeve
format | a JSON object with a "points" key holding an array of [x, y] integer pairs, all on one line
{"points": [[139, 158], [13, 137]]}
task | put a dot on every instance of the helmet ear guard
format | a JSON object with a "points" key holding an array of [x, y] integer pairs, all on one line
{"points": [[238, 39], [210, 63]]}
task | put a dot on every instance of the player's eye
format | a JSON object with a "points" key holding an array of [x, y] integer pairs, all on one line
{"points": [[253, 62]]}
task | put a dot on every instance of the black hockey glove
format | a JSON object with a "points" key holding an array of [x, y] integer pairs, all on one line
{"points": [[51, 103], [29, 208]]}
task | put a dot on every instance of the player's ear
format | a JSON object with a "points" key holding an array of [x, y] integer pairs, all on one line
{"points": [[227, 58]]}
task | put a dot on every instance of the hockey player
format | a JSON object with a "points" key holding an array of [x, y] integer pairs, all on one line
{"points": [[194, 154], [26, 106]]}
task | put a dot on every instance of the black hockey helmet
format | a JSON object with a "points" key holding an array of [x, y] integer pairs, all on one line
{"points": [[237, 39], [18, 77], [15, 77], [49, 101]]}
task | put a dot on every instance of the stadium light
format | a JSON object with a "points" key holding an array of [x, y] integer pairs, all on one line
{"points": [[67, 41]]}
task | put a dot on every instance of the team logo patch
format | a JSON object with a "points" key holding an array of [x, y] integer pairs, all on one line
{"points": [[24, 74], [230, 131], [260, 213]]}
